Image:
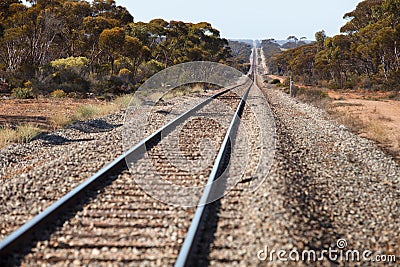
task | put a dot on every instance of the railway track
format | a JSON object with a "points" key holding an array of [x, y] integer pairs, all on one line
{"points": [[109, 219], [195, 248]]}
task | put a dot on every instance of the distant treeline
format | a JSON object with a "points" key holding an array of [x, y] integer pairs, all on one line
{"points": [[365, 55], [241, 52], [96, 47]]}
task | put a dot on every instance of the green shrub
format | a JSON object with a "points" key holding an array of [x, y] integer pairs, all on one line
{"points": [[102, 98], [22, 93], [390, 85], [124, 72], [313, 96], [74, 95], [114, 85], [155, 65], [275, 81], [76, 64], [333, 86], [310, 93], [286, 82], [69, 81], [281, 85], [58, 94], [349, 85], [394, 95], [68, 74], [28, 84]]}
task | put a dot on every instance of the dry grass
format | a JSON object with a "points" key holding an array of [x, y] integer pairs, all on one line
{"points": [[91, 111], [22, 134], [59, 121], [314, 96], [156, 95], [184, 90], [374, 126], [26, 132], [384, 118], [373, 129], [122, 101], [58, 94], [344, 104], [377, 131], [351, 121], [7, 136], [375, 120], [85, 112]]}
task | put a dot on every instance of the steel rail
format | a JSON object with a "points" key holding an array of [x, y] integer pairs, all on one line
{"points": [[29, 230], [188, 251]]}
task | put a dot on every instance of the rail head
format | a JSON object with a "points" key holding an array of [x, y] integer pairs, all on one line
{"points": [[188, 248]]}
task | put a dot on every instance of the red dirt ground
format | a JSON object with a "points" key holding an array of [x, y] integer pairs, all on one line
{"points": [[37, 111], [379, 115]]}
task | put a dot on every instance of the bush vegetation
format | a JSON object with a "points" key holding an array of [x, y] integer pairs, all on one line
{"points": [[315, 96], [95, 47], [58, 94], [275, 81], [22, 93], [365, 54]]}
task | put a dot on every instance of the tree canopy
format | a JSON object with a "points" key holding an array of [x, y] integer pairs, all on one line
{"points": [[366, 54], [37, 37]]}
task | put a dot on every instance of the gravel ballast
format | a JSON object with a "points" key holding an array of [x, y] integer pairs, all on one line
{"points": [[325, 184], [127, 225], [36, 174]]}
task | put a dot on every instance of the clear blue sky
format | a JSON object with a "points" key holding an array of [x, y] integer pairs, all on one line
{"points": [[257, 19]]}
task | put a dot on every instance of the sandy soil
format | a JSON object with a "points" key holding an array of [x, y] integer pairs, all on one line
{"points": [[380, 116], [37, 111]]}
